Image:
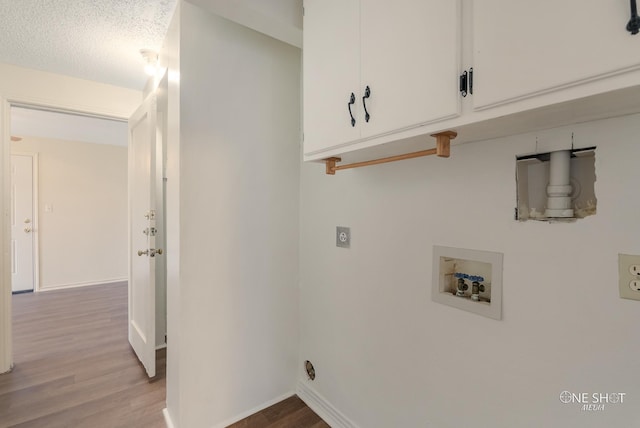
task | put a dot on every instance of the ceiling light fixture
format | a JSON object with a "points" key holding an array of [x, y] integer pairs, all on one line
{"points": [[150, 61]]}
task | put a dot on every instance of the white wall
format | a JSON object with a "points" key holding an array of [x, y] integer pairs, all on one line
{"points": [[387, 356], [41, 88], [280, 19], [83, 239], [238, 221], [50, 89]]}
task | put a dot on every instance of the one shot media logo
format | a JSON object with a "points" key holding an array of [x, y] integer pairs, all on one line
{"points": [[592, 401]]}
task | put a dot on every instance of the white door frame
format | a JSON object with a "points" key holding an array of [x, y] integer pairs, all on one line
{"points": [[35, 222], [6, 341]]}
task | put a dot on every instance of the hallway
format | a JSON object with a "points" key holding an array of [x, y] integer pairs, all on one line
{"points": [[74, 366]]}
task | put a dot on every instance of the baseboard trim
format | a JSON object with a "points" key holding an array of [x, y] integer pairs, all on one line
{"points": [[322, 407], [81, 284], [248, 413], [315, 401], [167, 418]]}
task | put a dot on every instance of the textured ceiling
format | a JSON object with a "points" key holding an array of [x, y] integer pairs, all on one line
{"points": [[96, 40]]}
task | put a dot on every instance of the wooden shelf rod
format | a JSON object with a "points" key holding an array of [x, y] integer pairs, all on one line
{"points": [[443, 145]]}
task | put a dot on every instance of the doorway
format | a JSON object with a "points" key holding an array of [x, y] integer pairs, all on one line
{"points": [[77, 225], [82, 202]]}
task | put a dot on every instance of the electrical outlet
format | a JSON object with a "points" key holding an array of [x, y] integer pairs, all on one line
{"points": [[629, 276], [343, 237]]}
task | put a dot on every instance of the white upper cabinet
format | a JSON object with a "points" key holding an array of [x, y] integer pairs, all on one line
{"points": [[525, 48], [410, 61], [534, 65], [406, 52], [331, 72]]}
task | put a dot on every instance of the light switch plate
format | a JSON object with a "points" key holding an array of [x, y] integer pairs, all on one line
{"points": [[627, 281], [343, 237]]}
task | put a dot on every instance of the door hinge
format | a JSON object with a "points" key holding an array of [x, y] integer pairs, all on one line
{"points": [[466, 82]]}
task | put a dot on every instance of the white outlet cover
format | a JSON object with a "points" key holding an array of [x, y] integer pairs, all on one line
{"points": [[343, 237], [628, 283]]}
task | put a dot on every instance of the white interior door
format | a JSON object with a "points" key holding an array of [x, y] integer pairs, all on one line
{"points": [[22, 244], [145, 205]]}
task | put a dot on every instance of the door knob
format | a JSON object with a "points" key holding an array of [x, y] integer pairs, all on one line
{"points": [[27, 220], [150, 252], [153, 252]]}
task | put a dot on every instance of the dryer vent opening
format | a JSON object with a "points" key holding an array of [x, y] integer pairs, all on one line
{"points": [[311, 371]]}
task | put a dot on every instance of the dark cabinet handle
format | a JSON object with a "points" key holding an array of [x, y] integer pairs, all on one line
{"points": [[367, 94], [634, 24], [464, 83], [352, 101]]}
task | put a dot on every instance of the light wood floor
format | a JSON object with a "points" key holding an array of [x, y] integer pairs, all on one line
{"points": [[74, 366]]}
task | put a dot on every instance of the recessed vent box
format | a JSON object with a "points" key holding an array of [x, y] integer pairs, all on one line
{"points": [[556, 186]]}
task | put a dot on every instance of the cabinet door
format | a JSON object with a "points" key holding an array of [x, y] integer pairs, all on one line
{"points": [[410, 60], [331, 70], [523, 48]]}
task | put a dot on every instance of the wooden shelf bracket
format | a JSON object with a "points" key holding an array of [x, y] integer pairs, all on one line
{"points": [[443, 145]]}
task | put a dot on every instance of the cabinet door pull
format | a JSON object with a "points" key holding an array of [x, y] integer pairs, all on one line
{"points": [[634, 23], [463, 83], [367, 94], [352, 100]]}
